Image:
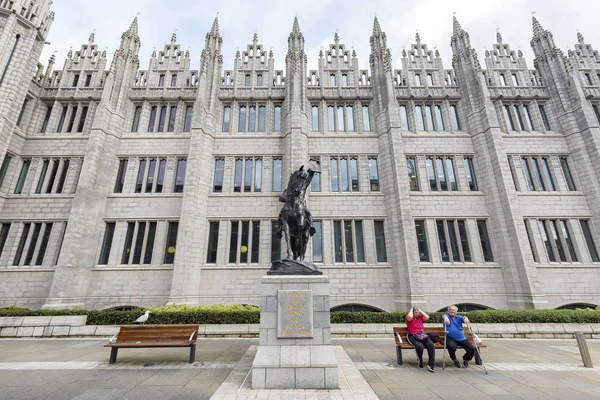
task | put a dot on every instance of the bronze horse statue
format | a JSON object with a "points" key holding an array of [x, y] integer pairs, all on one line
{"points": [[295, 222]]}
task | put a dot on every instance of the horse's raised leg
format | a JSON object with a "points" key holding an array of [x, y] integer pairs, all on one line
{"points": [[286, 234]]}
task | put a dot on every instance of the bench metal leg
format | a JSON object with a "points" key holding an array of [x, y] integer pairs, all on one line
{"points": [[192, 354], [113, 355], [398, 355], [478, 360]]}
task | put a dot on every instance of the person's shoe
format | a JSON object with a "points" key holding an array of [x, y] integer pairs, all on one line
{"points": [[465, 364], [457, 363], [420, 362], [430, 369]]}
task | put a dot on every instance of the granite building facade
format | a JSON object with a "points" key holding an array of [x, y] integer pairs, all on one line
{"points": [[472, 185]]}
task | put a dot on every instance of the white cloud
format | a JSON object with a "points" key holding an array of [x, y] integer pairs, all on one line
{"points": [[272, 20]]}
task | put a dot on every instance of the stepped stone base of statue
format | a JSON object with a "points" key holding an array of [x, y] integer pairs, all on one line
{"points": [[295, 349]]}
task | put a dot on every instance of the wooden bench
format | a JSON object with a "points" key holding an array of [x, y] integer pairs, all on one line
{"points": [[144, 336], [401, 332]]}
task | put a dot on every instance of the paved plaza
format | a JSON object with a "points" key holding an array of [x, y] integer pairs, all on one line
{"points": [[78, 369]]}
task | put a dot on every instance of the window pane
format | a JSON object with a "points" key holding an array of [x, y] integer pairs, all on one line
{"points": [[161, 120], [429, 117], [261, 118], [255, 241], [411, 167], [21, 246], [557, 242], [4, 235], [344, 174], [277, 165], [452, 240], [140, 178], [150, 243], [340, 118], [451, 177], [431, 174], [470, 170], [527, 173], [419, 114], [508, 117], [485, 241], [106, 243], [334, 175], [422, 240], [72, 118], [242, 119], [248, 175], [442, 240], [366, 119], [315, 118], [251, 118], [226, 116], [519, 119], [139, 242], [37, 227], [531, 243], [213, 242], [189, 112], [180, 178], [136, 119], [337, 239], [42, 177], [128, 242], [528, 123], [171, 245], [53, 172], [350, 118], [330, 119], [258, 175], [43, 244], [547, 174], [417, 80], [152, 120], [404, 117], [589, 240], [565, 233], [61, 121], [544, 117], [537, 173], [354, 174], [360, 249], [429, 80], [244, 244], [219, 172], [566, 171], [150, 178], [380, 242], [439, 165], [22, 176], [373, 175], [84, 111], [120, 176], [233, 242], [275, 241], [317, 241], [161, 176], [277, 122], [438, 118], [348, 241], [4, 168], [315, 184], [237, 180], [454, 118], [464, 240]]}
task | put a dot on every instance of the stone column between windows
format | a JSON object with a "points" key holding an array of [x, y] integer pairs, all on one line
{"points": [[328, 242], [435, 253], [77, 117], [579, 243], [560, 182], [28, 186], [133, 164], [364, 183], [264, 256], [12, 242], [422, 177], [27, 244], [116, 249], [229, 175], [36, 172], [223, 242], [369, 245], [70, 185], [160, 242], [12, 173], [54, 242], [59, 171], [474, 241]]}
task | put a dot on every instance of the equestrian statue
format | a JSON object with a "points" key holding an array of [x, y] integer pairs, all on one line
{"points": [[295, 224]]}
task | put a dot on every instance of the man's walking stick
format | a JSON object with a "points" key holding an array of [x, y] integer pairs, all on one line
{"points": [[475, 340]]}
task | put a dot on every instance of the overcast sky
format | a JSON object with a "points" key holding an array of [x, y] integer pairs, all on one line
{"points": [[319, 19]]}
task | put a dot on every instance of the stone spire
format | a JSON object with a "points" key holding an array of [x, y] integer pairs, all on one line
{"points": [[214, 30], [580, 38], [376, 27], [418, 38], [456, 28], [174, 37], [92, 37], [537, 28], [255, 39], [336, 38], [498, 37]]}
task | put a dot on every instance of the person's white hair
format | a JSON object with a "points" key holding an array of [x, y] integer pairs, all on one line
{"points": [[452, 307]]}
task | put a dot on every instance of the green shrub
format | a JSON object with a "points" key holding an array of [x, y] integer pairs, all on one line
{"points": [[243, 314]]}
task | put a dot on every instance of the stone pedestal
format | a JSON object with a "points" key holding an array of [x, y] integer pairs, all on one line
{"points": [[295, 349]]}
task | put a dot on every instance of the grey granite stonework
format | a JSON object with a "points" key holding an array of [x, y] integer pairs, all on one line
{"points": [[91, 191]]}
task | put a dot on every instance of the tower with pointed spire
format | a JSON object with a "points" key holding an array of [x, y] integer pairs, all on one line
{"points": [[129, 185]]}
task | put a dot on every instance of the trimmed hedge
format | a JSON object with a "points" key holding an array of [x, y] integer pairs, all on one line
{"points": [[238, 314]]}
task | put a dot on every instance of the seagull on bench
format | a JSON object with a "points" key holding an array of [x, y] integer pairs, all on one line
{"points": [[142, 319]]}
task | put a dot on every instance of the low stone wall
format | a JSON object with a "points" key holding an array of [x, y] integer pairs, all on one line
{"points": [[74, 326]]}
